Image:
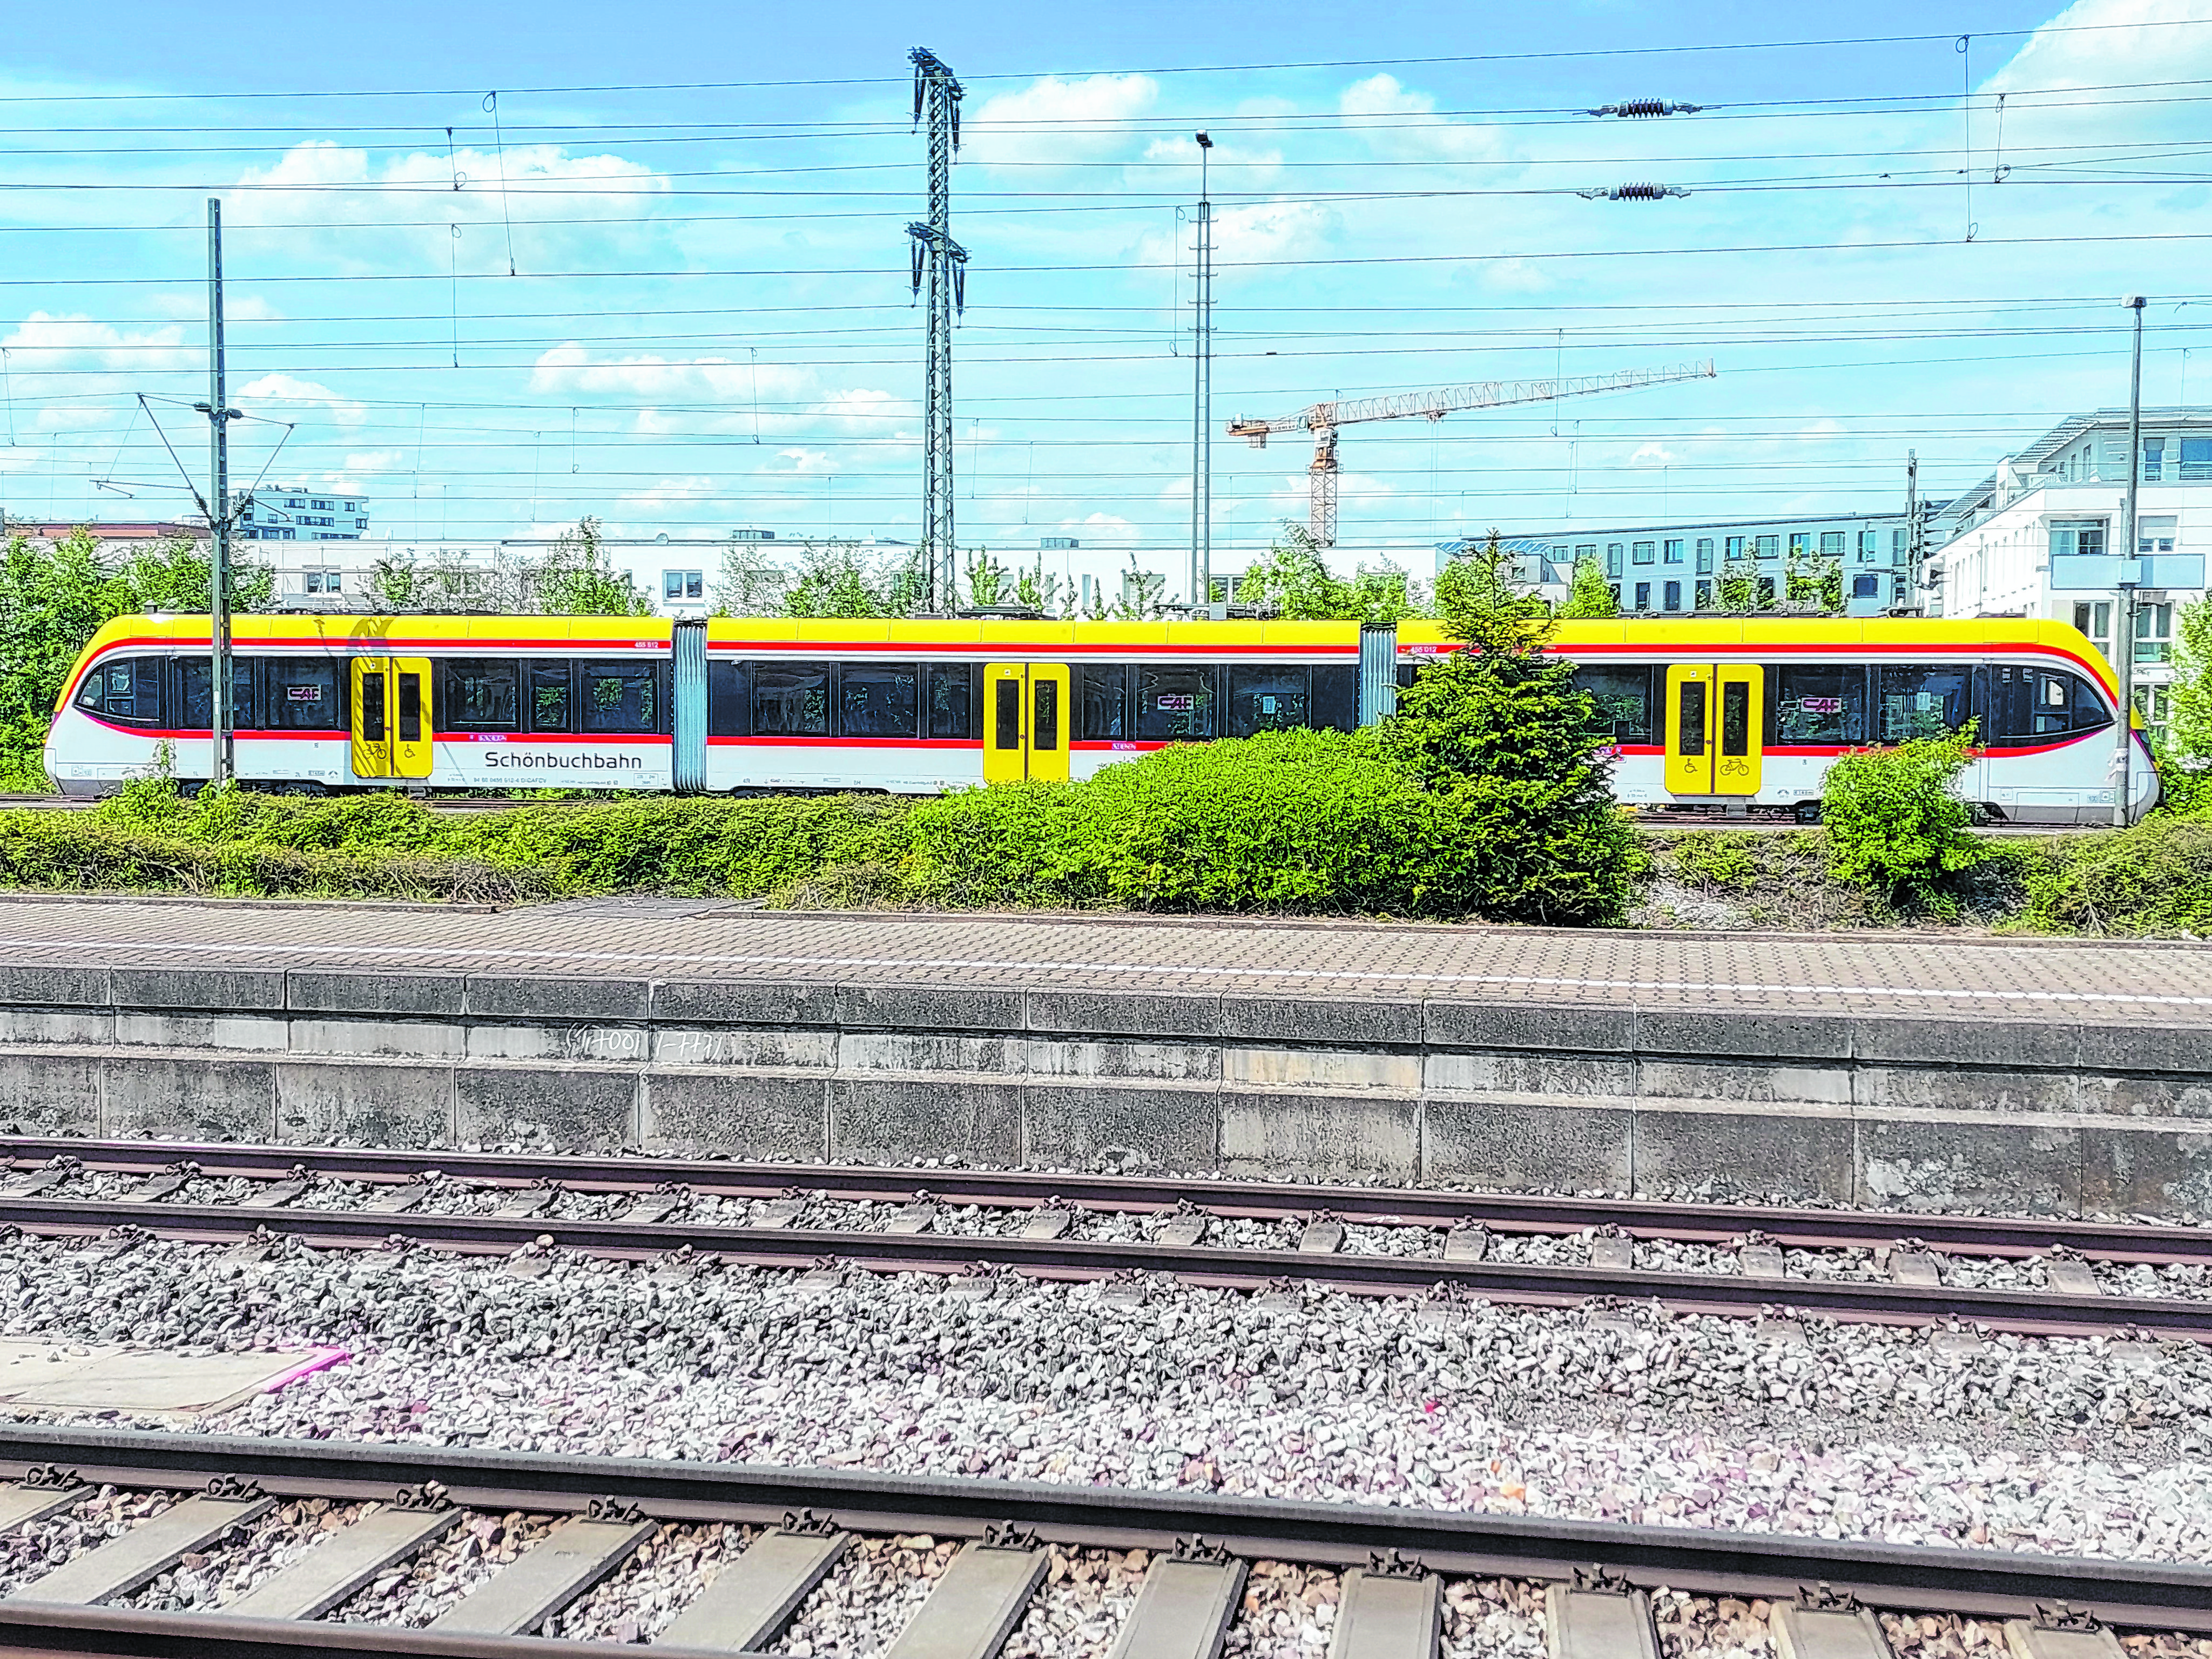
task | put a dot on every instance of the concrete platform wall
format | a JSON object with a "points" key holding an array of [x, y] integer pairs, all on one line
{"points": [[2050, 1117]]}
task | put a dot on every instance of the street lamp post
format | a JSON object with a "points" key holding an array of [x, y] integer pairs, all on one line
{"points": [[2123, 620]]}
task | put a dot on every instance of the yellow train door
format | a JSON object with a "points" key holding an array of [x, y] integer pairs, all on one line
{"points": [[368, 705], [411, 732], [1715, 728], [388, 716], [1742, 749], [1025, 721]]}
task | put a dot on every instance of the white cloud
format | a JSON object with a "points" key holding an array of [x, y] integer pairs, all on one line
{"points": [[675, 492], [501, 197], [1104, 530], [1654, 454], [292, 400], [1404, 126], [1057, 122], [1259, 233], [43, 341]]}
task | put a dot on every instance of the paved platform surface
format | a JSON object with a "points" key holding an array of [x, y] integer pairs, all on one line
{"points": [[1980, 978]]}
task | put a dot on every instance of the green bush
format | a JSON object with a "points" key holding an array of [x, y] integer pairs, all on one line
{"points": [[73, 853], [2154, 878], [1895, 821], [1286, 821]]}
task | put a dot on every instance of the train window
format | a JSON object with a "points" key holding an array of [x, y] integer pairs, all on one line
{"points": [[1921, 703], [1105, 702], [729, 700], [791, 699], [1818, 705], [1335, 706], [303, 695], [1006, 727], [2027, 706], [878, 699], [620, 697], [192, 681], [1044, 731], [1736, 718], [1622, 700], [410, 708], [1689, 733], [127, 690], [1267, 699], [952, 701], [1174, 703], [548, 696], [482, 693], [369, 717]]}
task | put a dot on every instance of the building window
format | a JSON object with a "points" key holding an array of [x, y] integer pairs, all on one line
{"points": [[2195, 459], [1704, 596], [1831, 544], [1673, 596], [2077, 538], [1612, 552], [1897, 541], [1674, 555], [1735, 547], [1866, 587], [1616, 596], [1586, 550], [2153, 464], [1769, 547], [1705, 556], [361, 523], [1869, 541], [1643, 596], [2154, 535], [683, 585], [2154, 633], [1801, 543], [2095, 619], [1644, 552], [294, 500], [325, 581]]}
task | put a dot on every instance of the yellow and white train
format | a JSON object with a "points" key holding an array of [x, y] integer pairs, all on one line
{"points": [[1702, 711]]}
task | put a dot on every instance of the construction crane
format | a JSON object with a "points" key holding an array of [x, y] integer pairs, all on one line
{"points": [[1322, 420]]}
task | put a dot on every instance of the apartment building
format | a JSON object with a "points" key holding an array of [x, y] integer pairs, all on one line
{"points": [[2043, 534]]}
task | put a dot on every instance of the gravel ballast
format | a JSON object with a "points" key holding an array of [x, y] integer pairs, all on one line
{"points": [[2073, 1447]]}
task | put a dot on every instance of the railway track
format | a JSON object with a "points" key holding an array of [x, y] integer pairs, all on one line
{"points": [[1462, 1245], [995, 1548]]}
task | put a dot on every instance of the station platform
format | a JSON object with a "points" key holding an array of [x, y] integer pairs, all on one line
{"points": [[2046, 1077], [1927, 975]]}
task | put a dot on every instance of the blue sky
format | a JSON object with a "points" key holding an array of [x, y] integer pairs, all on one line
{"points": [[708, 324]]}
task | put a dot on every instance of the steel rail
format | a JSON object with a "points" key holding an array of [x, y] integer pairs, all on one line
{"points": [[38, 1628], [1803, 1227], [1706, 1561], [2032, 1313]]}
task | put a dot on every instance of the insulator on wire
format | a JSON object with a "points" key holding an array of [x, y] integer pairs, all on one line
{"points": [[1640, 108], [1632, 193]]}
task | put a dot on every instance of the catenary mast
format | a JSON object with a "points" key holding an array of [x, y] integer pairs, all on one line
{"points": [[940, 265]]}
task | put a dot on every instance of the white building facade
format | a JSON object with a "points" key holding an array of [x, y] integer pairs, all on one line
{"points": [[298, 513], [2039, 536], [1677, 567]]}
